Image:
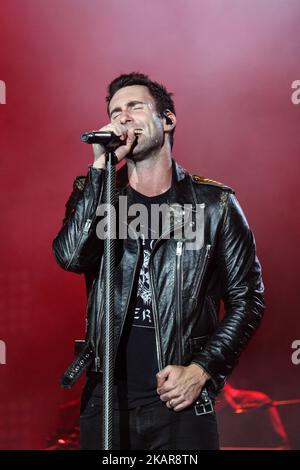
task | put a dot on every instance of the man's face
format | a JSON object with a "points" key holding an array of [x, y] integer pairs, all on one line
{"points": [[134, 107]]}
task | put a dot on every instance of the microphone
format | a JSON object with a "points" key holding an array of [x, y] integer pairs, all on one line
{"points": [[106, 138]]}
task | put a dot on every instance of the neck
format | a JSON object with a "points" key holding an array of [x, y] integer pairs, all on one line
{"points": [[152, 176]]}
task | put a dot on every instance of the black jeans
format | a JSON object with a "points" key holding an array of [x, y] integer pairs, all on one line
{"points": [[149, 427]]}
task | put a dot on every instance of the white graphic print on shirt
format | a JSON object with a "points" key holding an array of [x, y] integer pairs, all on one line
{"points": [[143, 312]]}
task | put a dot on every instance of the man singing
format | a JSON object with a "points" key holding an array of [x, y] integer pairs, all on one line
{"points": [[172, 351]]}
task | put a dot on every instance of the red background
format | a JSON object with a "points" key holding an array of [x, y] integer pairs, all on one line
{"points": [[230, 65]]}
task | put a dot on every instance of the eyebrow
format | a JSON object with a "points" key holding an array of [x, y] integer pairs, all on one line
{"points": [[130, 104]]}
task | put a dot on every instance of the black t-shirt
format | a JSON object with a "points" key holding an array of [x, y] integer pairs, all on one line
{"points": [[136, 362]]}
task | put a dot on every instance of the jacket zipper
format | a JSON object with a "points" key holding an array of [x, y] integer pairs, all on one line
{"points": [[201, 274], [155, 317], [179, 272], [154, 300]]}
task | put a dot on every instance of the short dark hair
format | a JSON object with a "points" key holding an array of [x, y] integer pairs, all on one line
{"points": [[163, 98]]}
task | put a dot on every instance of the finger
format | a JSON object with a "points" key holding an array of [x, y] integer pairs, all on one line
{"points": [[131, 136], [118, 130], [181, 406], [123, 131], [128, 143], [175, 402], [166, 388], [162, 375], [173, 395], [123, 134], [160, 381], [165, 398], [128, 138]]}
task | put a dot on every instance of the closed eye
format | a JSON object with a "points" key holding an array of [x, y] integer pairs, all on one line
{"points": [[133, 105]]}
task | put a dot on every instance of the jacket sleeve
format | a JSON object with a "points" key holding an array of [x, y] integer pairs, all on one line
{"points": [[77, 247], [243, 296]]}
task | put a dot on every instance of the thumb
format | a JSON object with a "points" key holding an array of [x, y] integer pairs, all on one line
{"points": [[131, 136], [124, 149]]}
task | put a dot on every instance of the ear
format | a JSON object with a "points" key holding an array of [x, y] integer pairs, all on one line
{"points": [[169, 120]]}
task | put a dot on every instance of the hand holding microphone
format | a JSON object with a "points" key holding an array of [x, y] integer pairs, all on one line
{"points": [[116, 136]]}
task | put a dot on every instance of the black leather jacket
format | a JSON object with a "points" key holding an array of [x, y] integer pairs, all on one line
{"points": [[187, 285]]}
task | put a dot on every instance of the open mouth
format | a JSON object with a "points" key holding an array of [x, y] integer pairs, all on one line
{"points": [[138, 131]]}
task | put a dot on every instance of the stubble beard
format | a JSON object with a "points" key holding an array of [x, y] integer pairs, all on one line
{"points": [[149, 151]]}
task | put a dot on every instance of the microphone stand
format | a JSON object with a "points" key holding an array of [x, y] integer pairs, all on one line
{"points": [[110, 141], [109, 288]]}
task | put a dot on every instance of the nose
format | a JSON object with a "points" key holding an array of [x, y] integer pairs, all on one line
{"points": [[125, 117]]}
